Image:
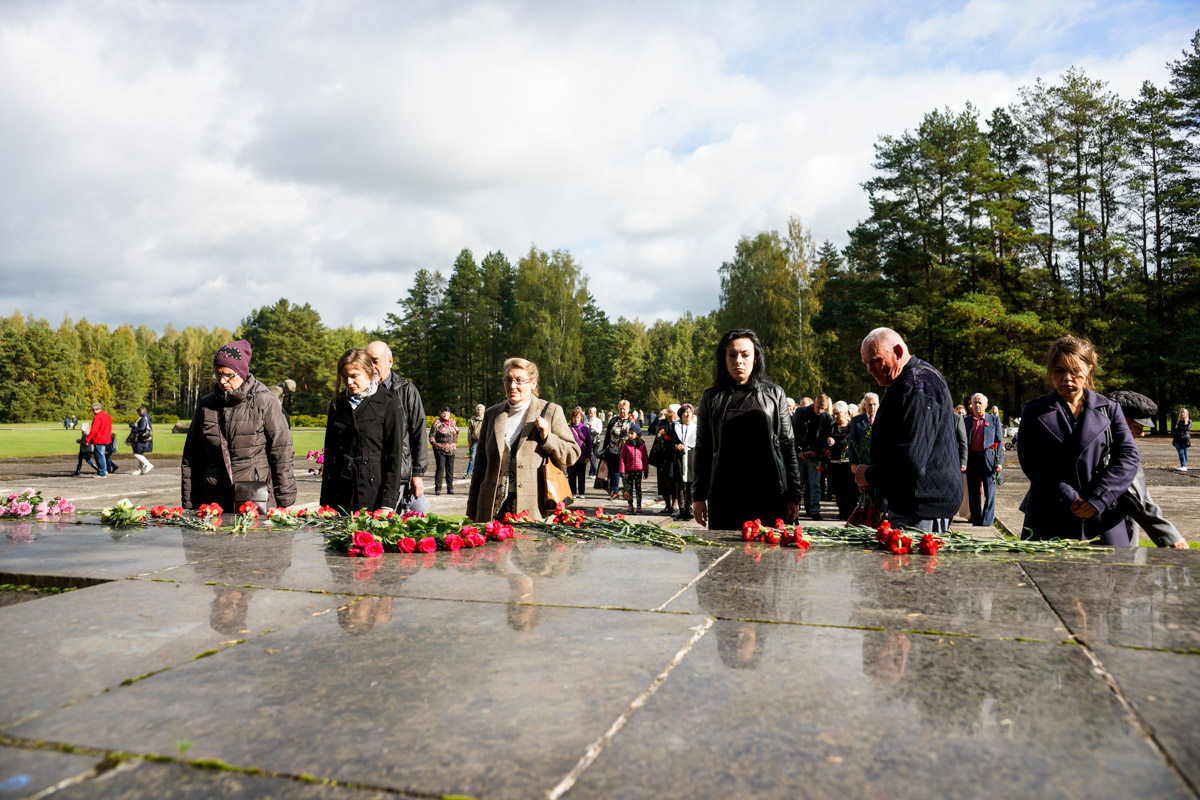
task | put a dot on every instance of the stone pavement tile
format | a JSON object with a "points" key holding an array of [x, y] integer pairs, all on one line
{"points": [[62, 648], [87, 550], [1125, 604], [24, 773], [1165, 690], [136, 780], [779, 711], [425, 696], [844, 586], [522, 570]]}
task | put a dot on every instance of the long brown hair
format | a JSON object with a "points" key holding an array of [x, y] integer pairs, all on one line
{"points": [[1076, 353], [359, 358]]}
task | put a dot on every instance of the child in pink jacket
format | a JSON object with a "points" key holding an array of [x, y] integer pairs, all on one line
{"points": [[635, 464]]}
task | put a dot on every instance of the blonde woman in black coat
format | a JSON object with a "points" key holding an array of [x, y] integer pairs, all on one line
{"points": [[363, 439]]}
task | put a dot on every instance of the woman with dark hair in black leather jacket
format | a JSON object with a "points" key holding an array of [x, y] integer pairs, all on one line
{"points": [[746, 465]]}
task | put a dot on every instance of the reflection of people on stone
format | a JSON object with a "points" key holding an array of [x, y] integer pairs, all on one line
{"points": [[744, 592], [367, 585], [746, 465], [527, 566], [885, 655], [261, 558]]}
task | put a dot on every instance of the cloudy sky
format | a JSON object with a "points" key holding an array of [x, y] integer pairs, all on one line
{"points": [[187, 162]]}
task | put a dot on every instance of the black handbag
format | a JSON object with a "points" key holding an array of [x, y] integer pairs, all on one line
{"points": [[257, 492]]}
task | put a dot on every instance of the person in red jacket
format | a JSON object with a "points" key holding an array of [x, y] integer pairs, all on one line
{"points": [[100, 437], [635, 464]]}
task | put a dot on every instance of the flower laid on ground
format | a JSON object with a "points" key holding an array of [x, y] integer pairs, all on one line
{"points": [[209, 510], [30, 503], [123, 513], [754, 531], [408, 533], [164, 512], [249, 508]]}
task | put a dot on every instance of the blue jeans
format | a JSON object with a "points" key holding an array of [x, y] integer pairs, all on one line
{"points": [[930, 525], [471, 458], [1182, 450], [812, 475], [101, 456]]}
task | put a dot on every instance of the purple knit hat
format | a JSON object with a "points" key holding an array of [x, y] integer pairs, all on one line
{"points": [[234, 356]]}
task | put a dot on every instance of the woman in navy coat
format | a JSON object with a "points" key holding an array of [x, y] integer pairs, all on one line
{"points": [[1077, 451]]}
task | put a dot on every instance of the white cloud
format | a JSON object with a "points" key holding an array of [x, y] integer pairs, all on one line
{"points": [[218, 156]]}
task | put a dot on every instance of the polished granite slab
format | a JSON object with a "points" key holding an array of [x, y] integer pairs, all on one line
{"points": [[1164, 689], [140, 779], [69, 646], [1125, 604], [840, 586], [586, 670], [778, 711], [25, 773], [429, 696]]}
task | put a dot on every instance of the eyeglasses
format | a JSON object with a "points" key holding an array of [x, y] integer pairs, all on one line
{"points": [[220, 376], [509, 381]]}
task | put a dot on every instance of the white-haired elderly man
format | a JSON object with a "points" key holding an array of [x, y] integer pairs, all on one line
{"points": [[985, 458], [914, 447]]}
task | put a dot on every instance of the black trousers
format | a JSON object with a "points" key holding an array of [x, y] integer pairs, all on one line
{"points": [[444, 463], [577, 475]]}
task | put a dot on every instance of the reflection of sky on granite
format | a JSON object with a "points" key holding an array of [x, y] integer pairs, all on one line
{"points": [[834, 671]]}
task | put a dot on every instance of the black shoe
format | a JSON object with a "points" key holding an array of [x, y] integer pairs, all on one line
{"points": [[816, 515], [76, 472]]}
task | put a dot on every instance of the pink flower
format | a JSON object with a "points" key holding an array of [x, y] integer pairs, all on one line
{"points": [[474, 540], [453, 542], [354, 552], [467, 530], [427, 545], [407, 544], [363, 538], [373, 549]]}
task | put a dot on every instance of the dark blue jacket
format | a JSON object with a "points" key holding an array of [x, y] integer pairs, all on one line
{"points": [[1064, 465], [914, 445]]}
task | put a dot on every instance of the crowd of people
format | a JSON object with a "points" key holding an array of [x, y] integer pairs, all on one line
{"points": [[745, 451]]}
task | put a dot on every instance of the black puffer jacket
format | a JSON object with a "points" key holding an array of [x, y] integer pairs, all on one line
{"points": [[257, 447], [414, 454], [709, 415], [362, 453]]}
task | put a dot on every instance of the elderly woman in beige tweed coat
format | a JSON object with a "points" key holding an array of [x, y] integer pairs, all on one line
{"points": [[514, 438]]}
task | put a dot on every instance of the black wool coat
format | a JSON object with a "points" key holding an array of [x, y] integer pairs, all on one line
{"points": [[363, 453]]}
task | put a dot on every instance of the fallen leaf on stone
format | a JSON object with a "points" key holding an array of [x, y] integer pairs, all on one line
{"points": [[835, 759], [147, 616], [270, 652], [1006, 722], [229, 641]]}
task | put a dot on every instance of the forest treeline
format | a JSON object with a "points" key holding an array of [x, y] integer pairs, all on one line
{"points": [[1071, 210]]}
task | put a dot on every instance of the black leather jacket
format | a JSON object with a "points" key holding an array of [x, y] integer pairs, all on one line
{"points": [[414, 452], [709, 417]]}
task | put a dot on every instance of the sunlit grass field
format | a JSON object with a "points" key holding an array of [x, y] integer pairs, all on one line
{"points": [[31, 439], [43, 439]]}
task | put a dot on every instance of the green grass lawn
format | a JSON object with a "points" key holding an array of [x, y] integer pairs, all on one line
{"points": [[26, 441], [32, 439]]}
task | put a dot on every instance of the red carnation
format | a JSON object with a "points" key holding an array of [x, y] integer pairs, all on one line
{"points": [[930, 544]]}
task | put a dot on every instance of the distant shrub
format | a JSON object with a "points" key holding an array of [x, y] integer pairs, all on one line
{"points": [[309, 420]]}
